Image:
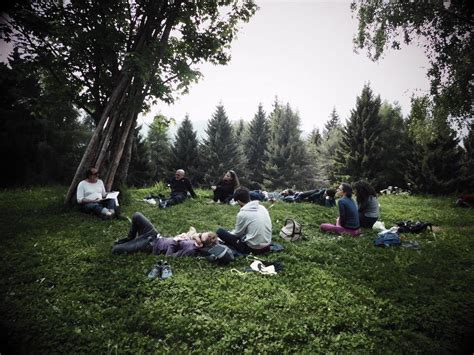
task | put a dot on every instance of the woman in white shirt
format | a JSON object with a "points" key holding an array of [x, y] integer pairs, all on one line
{"points": [[91, 195]]}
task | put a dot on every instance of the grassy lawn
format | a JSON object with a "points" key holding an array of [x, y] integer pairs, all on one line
{"points": [[62, 291]]}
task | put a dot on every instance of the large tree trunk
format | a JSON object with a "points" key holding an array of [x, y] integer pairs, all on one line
{"points": [[116, 123], [122, 171]]}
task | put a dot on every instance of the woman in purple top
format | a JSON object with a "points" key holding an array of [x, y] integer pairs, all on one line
{"points": [[348, 220], [143, 237]]}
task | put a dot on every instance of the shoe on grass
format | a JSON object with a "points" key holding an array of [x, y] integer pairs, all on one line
{"points": [[156, 271], [166, 272]]}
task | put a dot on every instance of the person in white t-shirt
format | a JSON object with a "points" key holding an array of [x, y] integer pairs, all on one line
{"points": [[91, 195], [253, 226]]}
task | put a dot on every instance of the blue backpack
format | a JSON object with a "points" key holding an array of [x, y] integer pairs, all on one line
{"points": [[387, 239]]}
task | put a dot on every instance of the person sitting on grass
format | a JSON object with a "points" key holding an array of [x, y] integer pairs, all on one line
{"points": [[180, 186], [91, 194], [348, 220], [224, 190], [143, 237], [253, 227], [367, 203]]}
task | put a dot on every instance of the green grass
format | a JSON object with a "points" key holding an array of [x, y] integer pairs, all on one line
{"points": [[62, 291]]}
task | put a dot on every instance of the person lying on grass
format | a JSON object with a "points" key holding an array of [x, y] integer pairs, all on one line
{"points": [[143, 237], [348, 220], [253, 226]]}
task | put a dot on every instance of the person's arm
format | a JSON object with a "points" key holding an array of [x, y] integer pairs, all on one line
{"points": [[240, 226], [80, 193], [181, 248], [342, 212], [102, 187], [190, 188]]}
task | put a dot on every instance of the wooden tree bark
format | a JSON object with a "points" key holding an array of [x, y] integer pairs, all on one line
{"points": [[106, 146]]}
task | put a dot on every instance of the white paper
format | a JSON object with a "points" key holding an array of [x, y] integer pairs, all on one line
{"points": [[113, 195]]}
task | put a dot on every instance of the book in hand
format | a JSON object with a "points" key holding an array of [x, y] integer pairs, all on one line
{"points": [[112, 195]]}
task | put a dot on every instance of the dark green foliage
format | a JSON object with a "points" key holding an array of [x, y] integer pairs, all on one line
{"points": [[40, 131], [287, 159], [333, 123], [185, 151], [255, 146], [220, 150], [62, 290], [435, 166], [160, 149], [395, 147], [315, 137], [444, 28], [359, 155], [325, 159], [140, 170]]}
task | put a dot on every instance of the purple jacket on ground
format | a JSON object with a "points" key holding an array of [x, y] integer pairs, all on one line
{"points": [[171, 247]]}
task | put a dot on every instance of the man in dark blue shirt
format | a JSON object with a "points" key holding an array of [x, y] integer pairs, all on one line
{"points": [[180, 187]]}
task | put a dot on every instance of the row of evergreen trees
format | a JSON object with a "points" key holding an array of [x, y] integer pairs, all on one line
{"points": [[420, 152], [43, 138]]}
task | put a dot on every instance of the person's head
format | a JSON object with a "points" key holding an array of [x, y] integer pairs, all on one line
{"points": [[331, 193], [345, 189], [363, 190], [208, 239], [92, 174], [179, 174], [231, 176], [288, 192], [242, 195]]}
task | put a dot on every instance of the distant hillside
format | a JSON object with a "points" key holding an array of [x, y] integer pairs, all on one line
{"points": [[198, 126]]}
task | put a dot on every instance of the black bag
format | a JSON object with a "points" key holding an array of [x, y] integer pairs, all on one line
{"points": [[220, 254], [291, 231], [413, 227]]}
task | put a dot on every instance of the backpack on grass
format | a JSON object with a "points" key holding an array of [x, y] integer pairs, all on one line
{"points": [[387, 238], [413, 227], [291, 231], [220, 254]]}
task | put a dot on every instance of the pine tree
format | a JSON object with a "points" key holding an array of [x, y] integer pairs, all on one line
{"points": [[185, 151], [160, 150], [325, 174], [435, 166], [395, 146], [333, 123], [219, 150], [359, 155], [255, 146], [139, 170], [315, 137], [286, 153]]}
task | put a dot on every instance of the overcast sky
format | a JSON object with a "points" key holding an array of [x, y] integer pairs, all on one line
{"points": [[302, 52]]}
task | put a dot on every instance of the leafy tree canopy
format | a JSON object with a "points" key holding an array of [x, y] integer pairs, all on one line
{"points": [[444, 28]]}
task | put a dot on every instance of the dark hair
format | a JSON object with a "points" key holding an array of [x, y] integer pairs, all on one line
{"points": [[347, 189], [89, 172], [235, 179], [363, 190], [242, 194], [331, 192]]}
